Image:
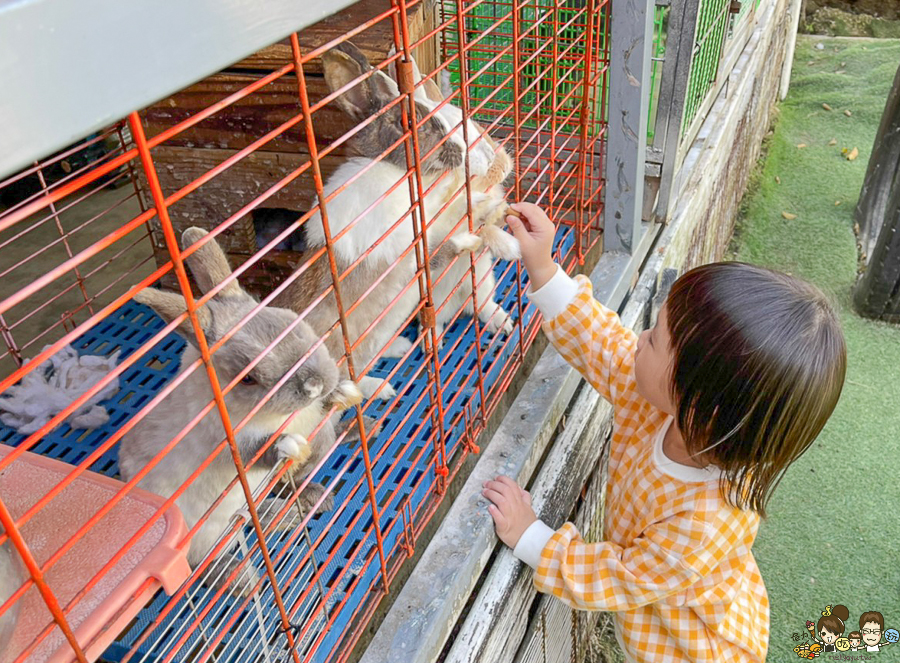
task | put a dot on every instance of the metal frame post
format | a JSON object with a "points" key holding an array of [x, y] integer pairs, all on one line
{"points": [[629, 100]]}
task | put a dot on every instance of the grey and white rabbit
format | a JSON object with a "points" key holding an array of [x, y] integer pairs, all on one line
{"points": [[12, 575], [371, 213], [309, 392]]}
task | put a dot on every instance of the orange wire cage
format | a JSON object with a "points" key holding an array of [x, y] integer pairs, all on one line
{"points": [[284, 300]]}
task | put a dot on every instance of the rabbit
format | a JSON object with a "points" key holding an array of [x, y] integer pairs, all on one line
{"points": [[491, 165], [12, 575], [372, 212], [310, 391]]}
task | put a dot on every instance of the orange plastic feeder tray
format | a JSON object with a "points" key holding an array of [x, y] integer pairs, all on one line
{"points": [[108, 607]]}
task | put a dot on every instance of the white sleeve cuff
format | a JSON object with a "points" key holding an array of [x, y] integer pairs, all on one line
{"points": [[532, 542], [555, 295]]}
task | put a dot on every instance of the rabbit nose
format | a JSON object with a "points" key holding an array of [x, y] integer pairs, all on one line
{"points": [[313, 387]]}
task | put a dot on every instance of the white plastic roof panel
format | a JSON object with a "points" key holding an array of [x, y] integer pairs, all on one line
{"points": [[71, 67]]}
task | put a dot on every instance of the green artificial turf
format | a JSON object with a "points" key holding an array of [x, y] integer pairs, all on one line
{"points": [[833, 533]]}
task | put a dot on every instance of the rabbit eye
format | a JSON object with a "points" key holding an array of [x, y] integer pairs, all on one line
{"points": [[248, 380]]}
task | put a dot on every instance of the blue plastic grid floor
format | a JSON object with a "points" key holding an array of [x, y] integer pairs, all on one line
{"points": [[256, 634]]}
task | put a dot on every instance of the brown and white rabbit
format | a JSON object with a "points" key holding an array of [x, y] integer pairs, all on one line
{"points": [[490, 165], [372, 211], [309, 392]]}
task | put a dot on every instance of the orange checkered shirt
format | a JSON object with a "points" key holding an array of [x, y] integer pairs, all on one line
{"points": [[676, 567]]}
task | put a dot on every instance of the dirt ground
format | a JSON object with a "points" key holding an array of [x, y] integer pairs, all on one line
{"points": [[37, 245], [889, 9], [852, 18]]}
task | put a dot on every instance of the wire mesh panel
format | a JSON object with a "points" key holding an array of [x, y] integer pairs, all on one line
{"points": [[269, 317], [717, 21], [712, 26], [658, 53], [552, 58]]}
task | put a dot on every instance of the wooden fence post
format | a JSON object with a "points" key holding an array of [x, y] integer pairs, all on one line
{"points": [[672, 90]]}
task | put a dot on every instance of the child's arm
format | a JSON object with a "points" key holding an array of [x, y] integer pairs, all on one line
{"points": [[588, 335], [667, 558]]}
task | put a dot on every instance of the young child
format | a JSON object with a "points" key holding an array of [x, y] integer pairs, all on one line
{"points": [[732, 385]]}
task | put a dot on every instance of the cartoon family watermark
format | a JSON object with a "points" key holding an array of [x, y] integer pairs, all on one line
{"points": [[829, 634]]}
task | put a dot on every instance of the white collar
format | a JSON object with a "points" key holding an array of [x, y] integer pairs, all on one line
{"points": [[678, 471]]}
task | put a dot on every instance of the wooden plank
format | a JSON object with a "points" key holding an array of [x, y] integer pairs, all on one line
{"points": [[247, 120], [672, 90], [508, 590], [225, 194], [791, 45]]}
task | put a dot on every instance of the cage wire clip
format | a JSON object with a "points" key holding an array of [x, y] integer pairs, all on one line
{"points": [[405, 76], [426, 316]]}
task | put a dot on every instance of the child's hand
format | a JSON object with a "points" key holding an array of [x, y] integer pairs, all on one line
{"points": [[511, 509], [535, 235]]}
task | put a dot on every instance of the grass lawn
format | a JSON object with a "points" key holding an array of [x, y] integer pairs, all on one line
{"points": [[833, 534]]}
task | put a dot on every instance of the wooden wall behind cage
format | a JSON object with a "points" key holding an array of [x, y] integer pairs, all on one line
{"points": [[192, 153]]}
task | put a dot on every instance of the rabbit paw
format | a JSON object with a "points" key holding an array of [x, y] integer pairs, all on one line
{"points": [[501, 244], [466, 243], [488, 209], [312, 494], [293, 447], [345, 395], [313, 387], [370, 386], [244, 581], [499, 321], [372, 426], [398, 348]]}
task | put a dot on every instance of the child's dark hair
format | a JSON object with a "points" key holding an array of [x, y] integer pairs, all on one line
{"points": [[759, 362]]}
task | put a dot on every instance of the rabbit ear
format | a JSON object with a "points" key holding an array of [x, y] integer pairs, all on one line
{"points": [[209, 264], [427, 91], [433, 91], [169, 305], [345, 63], [429, 88], [446, 88]]}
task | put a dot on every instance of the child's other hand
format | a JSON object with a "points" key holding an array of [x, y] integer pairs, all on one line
{"points": [[511, 509], [535, 235]]}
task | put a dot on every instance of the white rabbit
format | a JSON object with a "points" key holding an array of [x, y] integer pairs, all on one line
{"points": [[310, 391], [370, 217]]}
